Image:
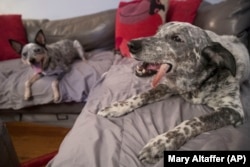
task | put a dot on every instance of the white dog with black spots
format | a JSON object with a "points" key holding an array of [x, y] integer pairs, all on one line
{"points": [[200, 66]]}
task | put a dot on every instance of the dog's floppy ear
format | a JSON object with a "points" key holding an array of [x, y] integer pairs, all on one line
{"points": [[17, 46], [216, 54], [40, 38]]}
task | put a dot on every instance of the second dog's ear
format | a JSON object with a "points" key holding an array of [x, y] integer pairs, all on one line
{"points": [[17, 46], [40, 38], [217, 55]]}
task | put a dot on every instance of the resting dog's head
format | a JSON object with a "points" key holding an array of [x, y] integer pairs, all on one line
{"points": [[182, 54], [33, 54]]}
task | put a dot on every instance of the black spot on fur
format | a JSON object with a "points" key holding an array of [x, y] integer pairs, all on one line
{"points": [[186, 130]]}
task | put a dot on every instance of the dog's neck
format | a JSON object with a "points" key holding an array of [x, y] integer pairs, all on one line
{"points": [[212, 74], [45, 63]]}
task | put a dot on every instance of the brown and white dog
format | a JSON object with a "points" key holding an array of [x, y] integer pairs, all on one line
{"points": [[198, 65], [51, 59]]}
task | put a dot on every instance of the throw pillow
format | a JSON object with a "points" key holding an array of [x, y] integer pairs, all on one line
{"points": [[138, 18], [11, 28], [183, 10]]}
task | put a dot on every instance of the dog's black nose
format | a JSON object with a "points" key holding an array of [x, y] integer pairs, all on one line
{"points": [[135, 46]]}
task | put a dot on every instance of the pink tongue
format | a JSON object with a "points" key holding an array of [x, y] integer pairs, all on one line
{"points": [[163, 69], [37, 69]]}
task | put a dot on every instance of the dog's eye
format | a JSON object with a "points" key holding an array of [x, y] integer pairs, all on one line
{"points": [[176, 38], [37, 50], [24, 54]]}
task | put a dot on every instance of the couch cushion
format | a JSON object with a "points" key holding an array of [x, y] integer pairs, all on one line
{"points": [[138, 18], [11, 28], [229, 17], [183, 10], [94, 31]]}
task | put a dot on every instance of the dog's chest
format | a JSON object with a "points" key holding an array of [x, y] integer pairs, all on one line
{"points": [[55, 71], [195, 97]]}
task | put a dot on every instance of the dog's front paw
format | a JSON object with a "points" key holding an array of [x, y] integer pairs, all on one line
{"points": [[115, 110], [110, 112], [55, 88], [27, 95], [153, 150], [56, 98]]}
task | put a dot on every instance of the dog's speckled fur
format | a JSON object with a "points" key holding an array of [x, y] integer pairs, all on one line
{"points": [[52, 59], [205, 69]]}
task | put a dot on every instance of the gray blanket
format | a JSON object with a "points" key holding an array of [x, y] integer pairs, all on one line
{"points": [[75, 85], [95, 141]]}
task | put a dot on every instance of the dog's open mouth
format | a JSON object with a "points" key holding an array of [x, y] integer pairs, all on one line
{"points": [[38, 66], [149, 69]]}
